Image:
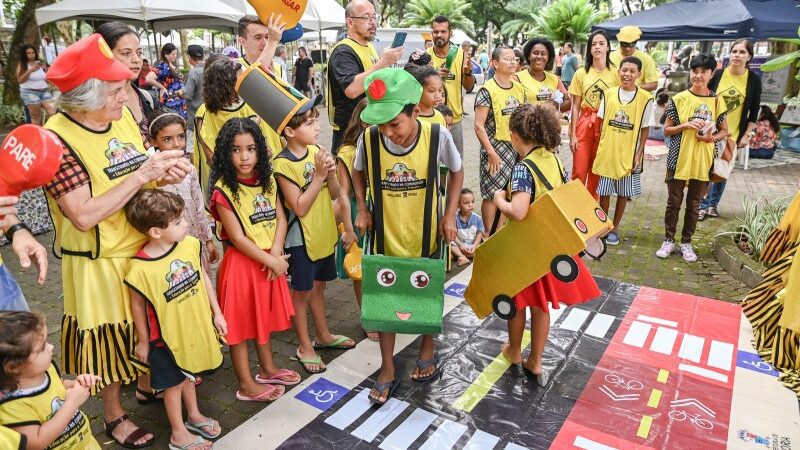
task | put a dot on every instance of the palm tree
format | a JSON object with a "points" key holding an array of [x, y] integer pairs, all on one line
{"points": [[568, 20], [525, 13], [422, 13]]}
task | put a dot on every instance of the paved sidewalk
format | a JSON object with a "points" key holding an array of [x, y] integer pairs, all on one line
{"points": [[632, 261]]}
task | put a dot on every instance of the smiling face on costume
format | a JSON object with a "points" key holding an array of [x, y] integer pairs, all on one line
{"points": [[128, 51], [402, 130]]}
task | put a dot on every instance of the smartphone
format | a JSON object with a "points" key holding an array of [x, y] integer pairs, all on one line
{"points": [[399, 39]]}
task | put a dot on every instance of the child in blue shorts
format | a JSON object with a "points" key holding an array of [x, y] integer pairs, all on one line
{"points": [[469, 229]]}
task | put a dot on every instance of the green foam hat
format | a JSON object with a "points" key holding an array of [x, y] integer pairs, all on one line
{"points": [[388, 92]]}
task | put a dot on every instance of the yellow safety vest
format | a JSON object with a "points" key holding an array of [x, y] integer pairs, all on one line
{"points": [[318, 227], [407, 185], [255, 211], [39, 407], [504, 102], [436, 117], [108, 157], [346, 155], [619, 137], [12, 440], [174, 285], [538, 91], [551, 170], [452, 82], [590, 85], [695, 157], [212, 124], [367, 55]]}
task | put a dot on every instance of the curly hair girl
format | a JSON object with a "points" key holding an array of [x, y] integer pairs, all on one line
{"points": [[223, 168], [537, 125], [219, 84]]}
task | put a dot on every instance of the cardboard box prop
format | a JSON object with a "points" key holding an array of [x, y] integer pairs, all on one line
{"points": [[558, 226]]}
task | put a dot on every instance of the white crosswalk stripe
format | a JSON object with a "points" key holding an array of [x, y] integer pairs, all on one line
{"points": [[380, 419], [598, 325]]}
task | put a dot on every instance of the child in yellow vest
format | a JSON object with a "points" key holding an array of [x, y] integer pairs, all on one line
{"points": [[626, 112], [404, 141], [171, 298], [251, 282], [34, 401], [168, 132], [536, 135], [347, 199], [695, 121], [432, 93], [306, 175]]}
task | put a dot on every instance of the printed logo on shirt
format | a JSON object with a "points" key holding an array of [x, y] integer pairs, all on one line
{"points": [[544, 94], [73, 430], [122, 159], [264, 211], [595, 92], [402, 178], [182, 278], [701, 112], [621, 120], [511, 104], [308, 174], [733, 98]]}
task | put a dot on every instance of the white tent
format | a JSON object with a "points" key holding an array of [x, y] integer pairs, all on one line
{"points": [[158, 15], [319, 14]]}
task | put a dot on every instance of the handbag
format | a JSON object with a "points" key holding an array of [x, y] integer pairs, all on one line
{"points": [[402, 295], [724, 159]]}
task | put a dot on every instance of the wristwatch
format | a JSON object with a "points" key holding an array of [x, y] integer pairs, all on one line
{"points": [[14, 228]]}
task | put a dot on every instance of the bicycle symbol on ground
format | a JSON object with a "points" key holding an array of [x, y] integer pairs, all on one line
{"points": [[617, 381], [695, 419]]}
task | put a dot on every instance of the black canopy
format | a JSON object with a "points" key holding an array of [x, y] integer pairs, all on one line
{"points": [[713, 20]]}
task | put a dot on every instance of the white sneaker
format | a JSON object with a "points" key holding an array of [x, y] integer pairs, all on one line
{"points": [[688, 253], [666, 249]]}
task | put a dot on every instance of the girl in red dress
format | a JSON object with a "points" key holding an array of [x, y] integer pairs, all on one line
{"points": [[535, 136], [251, 283]]}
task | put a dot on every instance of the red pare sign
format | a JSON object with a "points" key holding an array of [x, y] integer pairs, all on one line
{"points": [[29, 158]]}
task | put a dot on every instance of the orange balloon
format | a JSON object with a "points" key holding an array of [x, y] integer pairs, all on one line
{"points": [[291, 10]]}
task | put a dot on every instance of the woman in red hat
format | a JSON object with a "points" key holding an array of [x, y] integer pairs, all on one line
{"points": [[93, 237]]}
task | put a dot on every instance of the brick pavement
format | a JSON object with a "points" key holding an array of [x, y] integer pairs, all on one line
{"points": [[633, 261]]}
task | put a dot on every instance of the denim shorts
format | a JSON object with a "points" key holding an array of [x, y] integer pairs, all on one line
{"points": [[34, 97], [11, 298]]}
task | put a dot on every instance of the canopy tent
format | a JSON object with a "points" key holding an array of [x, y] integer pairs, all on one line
{"points": [[319, 14], [157, 15], [712, 20]]}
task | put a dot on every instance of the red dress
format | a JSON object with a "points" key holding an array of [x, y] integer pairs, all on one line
{"points": [[253, 306], [550, 289]]}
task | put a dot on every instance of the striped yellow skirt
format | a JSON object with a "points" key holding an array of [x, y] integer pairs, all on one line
{"points": [[785, 236], [97, 331]]}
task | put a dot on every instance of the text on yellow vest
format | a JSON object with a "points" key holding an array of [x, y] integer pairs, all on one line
{"points": [[695, 157], [538, 91], [619, 137], [504, 102], [255, 211]]}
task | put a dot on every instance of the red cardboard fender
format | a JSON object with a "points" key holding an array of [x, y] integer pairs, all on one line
{"points": [[29, 157]]}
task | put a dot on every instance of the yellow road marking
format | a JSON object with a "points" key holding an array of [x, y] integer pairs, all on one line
{"points": [[655, 398], [663, 375], [484, 382], [644, 427]]}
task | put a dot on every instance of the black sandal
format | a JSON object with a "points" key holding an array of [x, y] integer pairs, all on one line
{"points": [[135, 435], [149, 397]]}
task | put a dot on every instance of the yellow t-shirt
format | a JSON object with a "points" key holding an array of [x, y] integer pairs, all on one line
{"points": [[649, 72], [590, 85], [732, 89], [538, 91]]}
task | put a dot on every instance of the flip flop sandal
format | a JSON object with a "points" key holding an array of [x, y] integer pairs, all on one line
{"points": [[336, 344], [198, 442], [377, 339], [275, 379], [197, 427], [149, 397], [135, 435], [380, 387], [262, 397], [422, 365], [306, 362]]}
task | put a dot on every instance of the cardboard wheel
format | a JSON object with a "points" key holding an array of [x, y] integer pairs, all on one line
{"points": [[504, 307], [564, 268]]}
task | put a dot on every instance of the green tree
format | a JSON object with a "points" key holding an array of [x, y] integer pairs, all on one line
{"points": [[422, 12], [567, 20], [525, 13]]}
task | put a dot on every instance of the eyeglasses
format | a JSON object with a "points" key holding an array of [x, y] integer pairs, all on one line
{"points": [[627, 44], [374, 18], [509, 60]]}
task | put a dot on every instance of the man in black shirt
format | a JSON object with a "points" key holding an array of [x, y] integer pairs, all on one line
{"points": [[351, 61], [303, 72]]}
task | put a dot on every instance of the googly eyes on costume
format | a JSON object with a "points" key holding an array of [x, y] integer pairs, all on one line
{"points": [[420, 279], [386, 277]]}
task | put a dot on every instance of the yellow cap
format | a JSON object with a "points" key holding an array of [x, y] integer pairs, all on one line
{"points": [[630, 33]]}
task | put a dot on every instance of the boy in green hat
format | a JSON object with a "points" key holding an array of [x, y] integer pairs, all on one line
{"points": [[398, 139]]}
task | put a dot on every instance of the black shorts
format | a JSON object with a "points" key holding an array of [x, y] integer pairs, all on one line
{"points": [[304, 272], [164, 372]]}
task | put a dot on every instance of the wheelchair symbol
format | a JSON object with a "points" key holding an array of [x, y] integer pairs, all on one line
{"points": [[326, 395]]}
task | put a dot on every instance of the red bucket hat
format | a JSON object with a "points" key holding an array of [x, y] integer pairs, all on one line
{"points": [[88, 58]]}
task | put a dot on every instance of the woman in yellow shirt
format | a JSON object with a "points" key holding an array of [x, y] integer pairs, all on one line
{"points": [[539, 81]]}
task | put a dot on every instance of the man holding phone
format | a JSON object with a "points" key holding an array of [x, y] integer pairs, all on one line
{"points": [[456, 70], [351, 61]]}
